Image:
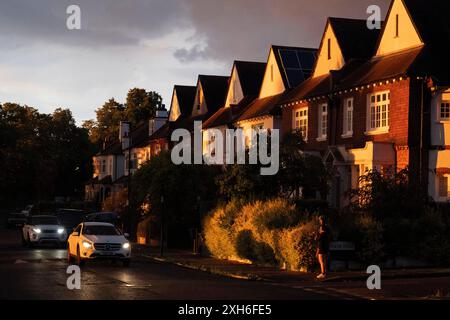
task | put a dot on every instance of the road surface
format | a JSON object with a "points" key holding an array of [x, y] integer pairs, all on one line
{"points": [[40, 273]]}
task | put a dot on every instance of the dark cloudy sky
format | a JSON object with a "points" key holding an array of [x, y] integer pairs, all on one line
{"points": [[152, 44]]}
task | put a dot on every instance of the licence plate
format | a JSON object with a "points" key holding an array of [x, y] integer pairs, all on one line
{"points": [[107, 253]]}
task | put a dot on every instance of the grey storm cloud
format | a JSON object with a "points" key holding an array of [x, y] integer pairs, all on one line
{"points": [[226, 28], [104, 22], [244, 29], [152, 44]]}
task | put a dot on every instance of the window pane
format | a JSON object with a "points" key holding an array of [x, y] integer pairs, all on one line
{"points": [[443, 186]]}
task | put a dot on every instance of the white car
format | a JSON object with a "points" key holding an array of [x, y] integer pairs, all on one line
{"points": [[98, 240], [43, 230]]}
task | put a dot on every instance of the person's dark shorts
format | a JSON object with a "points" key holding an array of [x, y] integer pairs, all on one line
{"points": [[323, 250]]}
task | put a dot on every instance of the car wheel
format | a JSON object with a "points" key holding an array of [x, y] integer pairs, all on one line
{"points": [[24, 241], [126, 263], [80, 261], [30, 244]]}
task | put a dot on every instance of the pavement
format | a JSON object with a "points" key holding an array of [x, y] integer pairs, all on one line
{"points": [[241, 270], [275, 276]]}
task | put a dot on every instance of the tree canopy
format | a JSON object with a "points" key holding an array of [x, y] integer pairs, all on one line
{"points": [[140, 105], [43, 155]]}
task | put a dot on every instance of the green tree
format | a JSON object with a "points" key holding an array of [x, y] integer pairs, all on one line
{"points": [[142, 105], [301, 170], [188, 190], [43, 155], [106, 127]]}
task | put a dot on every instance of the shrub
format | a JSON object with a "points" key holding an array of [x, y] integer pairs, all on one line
{"points": [[299, 246], [218, 232], [432, 242], [276, 214], [263, 232], [248, 248], [370, 239]]}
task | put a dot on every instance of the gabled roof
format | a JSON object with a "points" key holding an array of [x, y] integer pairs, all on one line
{"points": [[251, 75], [262, 107], [383, 68], [115, 148], [432, 21], [226, 116], [295, 63], [163, 132], [139, 135], [185, 96], [214, 90], [355, 39]]}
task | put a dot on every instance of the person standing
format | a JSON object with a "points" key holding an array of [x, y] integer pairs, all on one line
{"points": [[323, 247]]}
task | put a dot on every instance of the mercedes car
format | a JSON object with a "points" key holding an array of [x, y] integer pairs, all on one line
{"points": [[98, 240]]}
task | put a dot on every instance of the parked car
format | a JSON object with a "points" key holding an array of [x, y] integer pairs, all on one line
{"points": [[43, 230], [15, 220], [98, 240], [70, 218], [107, 217]]}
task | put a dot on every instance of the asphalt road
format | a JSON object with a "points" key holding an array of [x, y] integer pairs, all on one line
{"points": [[40, 273]]}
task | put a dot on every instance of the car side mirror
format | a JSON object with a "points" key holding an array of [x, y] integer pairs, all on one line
{"points": [[126, 235]]}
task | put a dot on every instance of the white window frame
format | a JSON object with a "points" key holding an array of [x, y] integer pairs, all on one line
{"points": [[347, 124], [103, 166], [300, 121], [323, 122], [374, 124], [440, 109]]}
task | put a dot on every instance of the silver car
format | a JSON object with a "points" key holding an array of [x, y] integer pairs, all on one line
{"points": [[43, 230]]}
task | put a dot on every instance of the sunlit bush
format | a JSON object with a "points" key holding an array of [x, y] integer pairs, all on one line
{"points": [[268, 232]]}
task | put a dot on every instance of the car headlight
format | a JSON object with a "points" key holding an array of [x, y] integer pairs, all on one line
{"points": [[87, 245], [126, 245], [60, 230], [37, 230]]}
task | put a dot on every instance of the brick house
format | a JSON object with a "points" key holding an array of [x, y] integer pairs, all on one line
{"points": [[378, 100], [243, 88], [286, 68]]}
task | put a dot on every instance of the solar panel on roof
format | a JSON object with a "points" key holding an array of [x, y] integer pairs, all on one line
{"points": [[297, 64], [290, 59], [307, 59], [295, 77]]}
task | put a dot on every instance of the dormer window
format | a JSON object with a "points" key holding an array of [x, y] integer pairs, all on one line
{"points": [[234, 92], [397, 32], [329, 49]]}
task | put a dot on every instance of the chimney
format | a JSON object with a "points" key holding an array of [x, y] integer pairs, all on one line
{"points": [[157, 122]]}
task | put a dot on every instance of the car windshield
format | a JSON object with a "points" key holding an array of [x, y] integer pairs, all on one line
{"points": [[101, 231], [44, 220]]}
